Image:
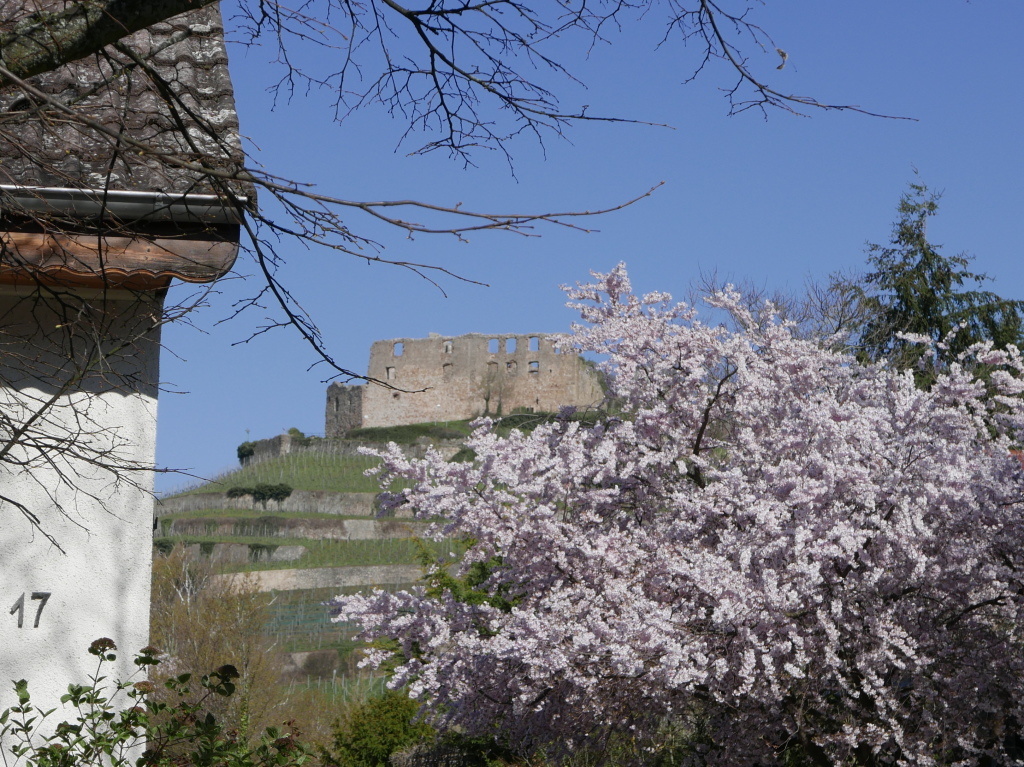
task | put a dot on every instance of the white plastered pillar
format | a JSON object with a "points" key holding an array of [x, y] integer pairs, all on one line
{"points": [[78, 376]]}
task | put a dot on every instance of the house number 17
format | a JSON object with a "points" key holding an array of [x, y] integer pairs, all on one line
{"points": [[19, 607]]}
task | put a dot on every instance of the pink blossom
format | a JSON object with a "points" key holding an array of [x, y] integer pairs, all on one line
{"points": [[763, 536]]}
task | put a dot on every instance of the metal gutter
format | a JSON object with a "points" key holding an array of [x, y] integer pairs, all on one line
{"points": [[121, 204]]}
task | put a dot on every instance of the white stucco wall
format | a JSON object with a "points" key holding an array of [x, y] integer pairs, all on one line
{"points": [[98, 586]]}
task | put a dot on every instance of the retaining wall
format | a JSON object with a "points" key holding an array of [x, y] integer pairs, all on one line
{"points": [[285, 444], [243, 552], [308, 501], [327, 577], [278, 527]]}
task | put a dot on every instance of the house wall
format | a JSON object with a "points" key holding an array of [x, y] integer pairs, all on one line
{"points": [[95, 574], [449, 378]]}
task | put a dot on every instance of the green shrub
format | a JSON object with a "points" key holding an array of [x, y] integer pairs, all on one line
{"points": [[300, 439], [112, 722], [263, 493], [246, 451], [368, 734]]}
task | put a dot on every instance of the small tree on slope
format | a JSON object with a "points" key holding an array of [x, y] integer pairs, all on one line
{"points": [[804, 559]]}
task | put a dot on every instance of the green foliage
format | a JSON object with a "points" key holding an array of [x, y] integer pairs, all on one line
{"points": [[467, 588], [373, 733], [300, 439], [368, 734], [113, 722], [246, 451], [913, 288], [261, 493], [408, 434]]}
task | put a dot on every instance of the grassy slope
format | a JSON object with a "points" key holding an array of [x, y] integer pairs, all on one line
{"points": [[410, 433], [302, 471], [380, 551], [346, 474]]}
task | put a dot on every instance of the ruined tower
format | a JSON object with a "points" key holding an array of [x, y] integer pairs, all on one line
{"points": [[451, 378]]}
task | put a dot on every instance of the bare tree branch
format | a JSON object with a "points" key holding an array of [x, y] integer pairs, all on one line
{"points": [[469, 75]]}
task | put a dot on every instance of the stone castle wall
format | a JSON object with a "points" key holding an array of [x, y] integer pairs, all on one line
{"points": [[459, 377], [285, 444], [344, 409]]}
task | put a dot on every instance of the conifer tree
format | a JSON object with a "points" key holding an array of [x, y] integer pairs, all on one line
{"points": [[916, 293]]}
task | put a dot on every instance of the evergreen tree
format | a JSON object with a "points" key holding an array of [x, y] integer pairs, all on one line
{"points": [[915, 289]]}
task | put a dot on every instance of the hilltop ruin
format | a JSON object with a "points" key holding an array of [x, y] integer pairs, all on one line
{"points": [[452, 378]]}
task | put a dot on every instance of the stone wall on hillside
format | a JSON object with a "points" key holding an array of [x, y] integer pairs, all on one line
{"points": [[276, 527], [325, 577], [285, 444], [460, 377], [308, 501]]}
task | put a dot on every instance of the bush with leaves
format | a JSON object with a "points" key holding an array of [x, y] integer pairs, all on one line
{"points": [[246, 451], [368, 734], [123, 724], [809, 559], [262, 493]]}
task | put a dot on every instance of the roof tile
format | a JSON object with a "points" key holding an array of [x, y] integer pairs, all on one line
{"points": [[41, 146]]}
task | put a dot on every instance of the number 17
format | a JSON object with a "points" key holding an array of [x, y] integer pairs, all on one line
{"points": [[19, 607]]}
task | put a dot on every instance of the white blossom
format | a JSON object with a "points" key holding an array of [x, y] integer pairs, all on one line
{"points": [[797, 549]]}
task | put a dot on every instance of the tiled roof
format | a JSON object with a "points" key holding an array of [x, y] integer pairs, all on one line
{"points": [[40, 146]]}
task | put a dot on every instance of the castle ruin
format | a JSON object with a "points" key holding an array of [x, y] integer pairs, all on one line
{"points": [[453, 378]]}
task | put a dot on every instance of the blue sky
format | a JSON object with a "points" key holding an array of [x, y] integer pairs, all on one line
{"points": [[771, 201]]}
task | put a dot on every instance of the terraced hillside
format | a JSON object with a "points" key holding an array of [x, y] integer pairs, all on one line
{"points": [[324, 539]]}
